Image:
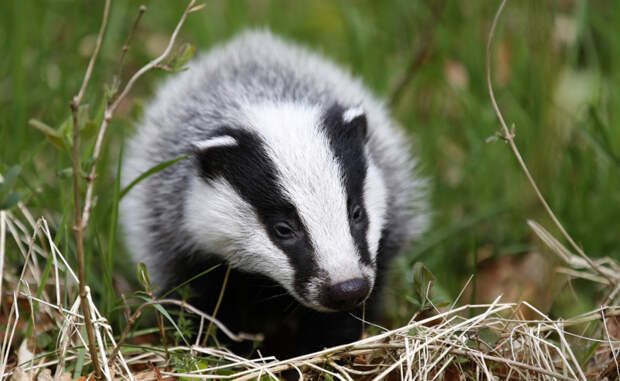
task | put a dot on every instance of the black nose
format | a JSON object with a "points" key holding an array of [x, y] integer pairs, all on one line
{"points": [[346, 295]]}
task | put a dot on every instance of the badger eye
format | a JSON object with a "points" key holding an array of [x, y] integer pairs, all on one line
{"points": [[283, 230], [357, 213]]}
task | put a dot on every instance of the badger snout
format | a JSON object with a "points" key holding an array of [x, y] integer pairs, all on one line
{"points": [[343, 296]]}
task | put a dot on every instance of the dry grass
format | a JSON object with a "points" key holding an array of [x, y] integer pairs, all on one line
{"points": [[495, 342]]}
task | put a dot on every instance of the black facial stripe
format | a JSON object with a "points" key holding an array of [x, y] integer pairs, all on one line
{"points": [[347, 142], [250, 170]]}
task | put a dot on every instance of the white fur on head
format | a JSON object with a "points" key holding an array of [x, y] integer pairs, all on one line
{"points": [[375, 199], [224, 223], [216, 141], [313, 180], [352, 113], [311, 177]]}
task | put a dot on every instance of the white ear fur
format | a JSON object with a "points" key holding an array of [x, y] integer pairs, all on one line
{"points": [[216, 141], [352, 113]]}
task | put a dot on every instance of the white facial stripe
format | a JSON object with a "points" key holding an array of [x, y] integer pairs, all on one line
{"points": [[313, 292], [376, 206], [369, 273], [218, 218], [312, 180], [218, 141], [352, 113]]}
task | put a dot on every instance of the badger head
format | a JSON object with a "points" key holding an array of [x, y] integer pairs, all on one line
{"points": [[292, 193]]}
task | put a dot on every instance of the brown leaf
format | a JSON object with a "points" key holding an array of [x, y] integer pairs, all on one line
{"points": [[613, 327], [517, 278]]}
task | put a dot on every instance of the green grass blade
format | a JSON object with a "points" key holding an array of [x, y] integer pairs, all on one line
{"points": [[109, 262], [79, 362], [152, 171], [191, 279], [165, 313]]}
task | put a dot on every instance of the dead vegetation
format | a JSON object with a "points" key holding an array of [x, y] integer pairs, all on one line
{"points": [[494, 342]]}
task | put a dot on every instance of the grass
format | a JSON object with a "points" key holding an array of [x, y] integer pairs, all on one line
{"points": [[496, 340], [556, 74]]}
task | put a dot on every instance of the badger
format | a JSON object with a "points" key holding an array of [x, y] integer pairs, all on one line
{"points": [[296, 178]]}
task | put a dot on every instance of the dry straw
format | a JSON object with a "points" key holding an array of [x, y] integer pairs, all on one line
{"points": [[496, 342]]}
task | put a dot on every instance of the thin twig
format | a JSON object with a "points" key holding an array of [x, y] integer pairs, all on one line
{"points": [[217, 305], [508, 136], [609, 299], [188, 307], [111, 108], [82, 215], [78, 225], [155, 370], [2, 248], [363, 318], [160, 324], [609, 342], [418, 59], [93, 58], [119, 71], [416, 62]]}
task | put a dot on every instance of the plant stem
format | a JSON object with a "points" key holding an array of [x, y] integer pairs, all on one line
{"points": [[187, 307], [78, 230], [508, 135], [79, 227], [217, 305]]}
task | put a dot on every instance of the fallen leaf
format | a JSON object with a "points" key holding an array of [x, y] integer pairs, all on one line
{"points": [[23, 353], [517, 278], [19, 375], [45, 375]]}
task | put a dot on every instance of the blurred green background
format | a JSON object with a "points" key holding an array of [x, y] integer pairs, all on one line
{"points": [[556, 72]]}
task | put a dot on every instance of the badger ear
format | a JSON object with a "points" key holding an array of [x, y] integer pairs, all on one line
{"points": [[217, 141], [345, 124], [213, 154], [354, 119]]}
